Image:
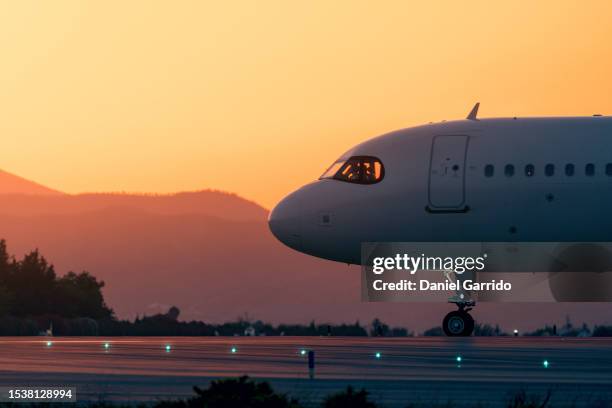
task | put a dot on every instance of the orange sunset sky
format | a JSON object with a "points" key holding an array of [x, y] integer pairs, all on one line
{"points": [[259, 97]]}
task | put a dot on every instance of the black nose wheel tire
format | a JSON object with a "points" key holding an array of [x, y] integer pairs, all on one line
{"points": [[458, 323]]}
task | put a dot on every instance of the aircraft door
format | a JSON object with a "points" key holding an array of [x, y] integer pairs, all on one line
{"points": [[447, 174]]}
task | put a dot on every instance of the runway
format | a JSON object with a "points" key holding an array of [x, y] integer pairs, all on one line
{"points": [[417, 369]]}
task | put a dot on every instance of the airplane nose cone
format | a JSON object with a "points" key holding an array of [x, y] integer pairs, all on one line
{"points": [[285, 222]]}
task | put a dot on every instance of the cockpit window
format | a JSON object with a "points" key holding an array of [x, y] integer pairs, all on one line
{"points": [[333, 169], [357, 169]]}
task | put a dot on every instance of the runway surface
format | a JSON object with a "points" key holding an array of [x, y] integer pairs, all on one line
{"points": [[418, 369]]}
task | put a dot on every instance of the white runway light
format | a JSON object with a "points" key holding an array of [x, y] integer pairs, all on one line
{"points": [[302, 352], [378, 354], [233, 350], [106, 346], [168, 348], [49, 344]]}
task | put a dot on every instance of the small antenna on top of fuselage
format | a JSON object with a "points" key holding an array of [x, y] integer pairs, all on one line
{"points": [[474, 112]]}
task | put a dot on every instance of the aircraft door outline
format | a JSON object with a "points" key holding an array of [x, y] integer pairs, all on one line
{"points": [[446, 184]]}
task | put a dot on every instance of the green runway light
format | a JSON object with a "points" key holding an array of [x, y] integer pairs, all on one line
{"points": [[302, 352], [106, 346], [378, 354], [545, 363], [49, 344], [233, 350], [168, 348], [458, 359]]}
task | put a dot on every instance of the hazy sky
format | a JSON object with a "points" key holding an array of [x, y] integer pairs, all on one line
{"points": [[259, 97]]}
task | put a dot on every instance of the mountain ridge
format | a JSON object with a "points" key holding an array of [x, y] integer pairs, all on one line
{"points": [[13, 184], [209, 202]]}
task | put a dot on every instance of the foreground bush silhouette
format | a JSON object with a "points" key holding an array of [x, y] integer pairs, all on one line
{"points": [[349, 398], [522, 400], [242, 392]]}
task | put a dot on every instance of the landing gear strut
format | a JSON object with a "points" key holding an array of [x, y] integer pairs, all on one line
{"points": [[459, 322]]}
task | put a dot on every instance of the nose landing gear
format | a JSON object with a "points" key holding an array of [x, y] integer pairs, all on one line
{"points": [[459, 322]]}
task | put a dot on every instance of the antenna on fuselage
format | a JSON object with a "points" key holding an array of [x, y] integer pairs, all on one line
{"points": [[474, 112]]}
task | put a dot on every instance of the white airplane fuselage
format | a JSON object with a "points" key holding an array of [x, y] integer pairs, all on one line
{"points": [[489, 180]]}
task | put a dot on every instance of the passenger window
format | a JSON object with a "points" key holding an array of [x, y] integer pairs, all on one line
{"points": [[529, 170], [569, 170], [357, 169], [489, 170], [589, 169], [509, 170], [549, 170], [609, 169]]}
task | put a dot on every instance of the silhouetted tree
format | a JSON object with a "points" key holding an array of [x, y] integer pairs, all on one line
{"points": [[349, 398], [80, 295], [602, 331], [173, 313], [379, 328], [30, 288], [31, 281], [235, 393], [400, 332], [6, 300], [6, 262]]}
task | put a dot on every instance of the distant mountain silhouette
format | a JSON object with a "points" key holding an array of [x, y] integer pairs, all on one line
{"points": [[207, 202], [12, 184], [211, 254]]}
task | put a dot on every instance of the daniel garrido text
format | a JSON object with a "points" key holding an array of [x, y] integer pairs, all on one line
{"points": [[425, 285]]}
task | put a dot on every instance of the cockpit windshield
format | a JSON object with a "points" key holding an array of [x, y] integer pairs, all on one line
{"points": [[357, 169]]}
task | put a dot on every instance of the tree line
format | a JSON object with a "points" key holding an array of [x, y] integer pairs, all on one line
{"points": [[34, 299]]}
